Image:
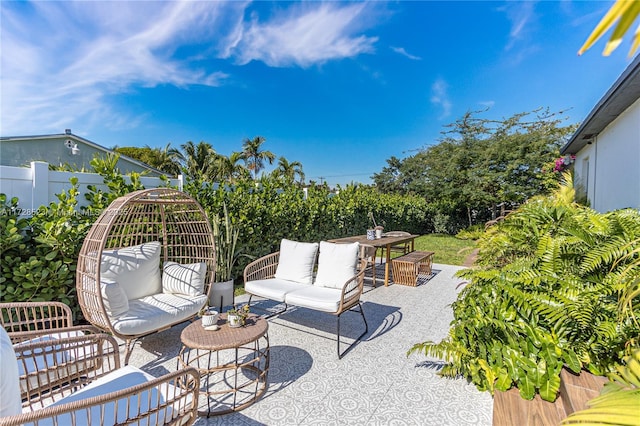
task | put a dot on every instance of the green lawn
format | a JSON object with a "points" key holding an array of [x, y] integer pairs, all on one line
{"points": [[449, 249]]}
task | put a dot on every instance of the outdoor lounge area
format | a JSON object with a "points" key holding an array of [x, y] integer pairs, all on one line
{"points": [[376, 383]]}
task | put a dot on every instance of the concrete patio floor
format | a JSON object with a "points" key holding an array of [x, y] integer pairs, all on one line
{"points": [[373, 384]]}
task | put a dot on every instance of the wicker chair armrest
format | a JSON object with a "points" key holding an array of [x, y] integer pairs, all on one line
{"points": [[23, 336], [262, 268], [27, 316], [176, 402], [53, 368], [352, 289]]}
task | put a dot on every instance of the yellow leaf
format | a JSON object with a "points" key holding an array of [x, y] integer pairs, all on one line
{"points": [[627, 9]]}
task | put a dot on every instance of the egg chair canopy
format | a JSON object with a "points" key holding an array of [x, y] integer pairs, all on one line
{"points": [[169, 220]]}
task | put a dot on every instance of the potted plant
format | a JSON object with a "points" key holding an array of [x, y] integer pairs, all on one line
{"points": [[376, 232], [238, 317], [225, 235], [209, 316]]}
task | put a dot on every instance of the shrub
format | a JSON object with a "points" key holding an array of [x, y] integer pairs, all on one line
{"points": [[545, 296], [39, 254]]}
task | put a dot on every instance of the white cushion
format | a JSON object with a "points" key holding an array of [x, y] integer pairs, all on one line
{"points": [[314, 297], [157, 311], [136, 269], [114, 298], [296, 261], [336, 264], [10, 399], [184, 279], [272, 288], [117, 411]]}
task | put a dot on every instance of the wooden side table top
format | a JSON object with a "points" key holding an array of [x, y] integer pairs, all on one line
{"points": [[194, 336]]}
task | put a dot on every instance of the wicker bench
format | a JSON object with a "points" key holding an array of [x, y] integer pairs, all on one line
{"points": [[407, 267]]}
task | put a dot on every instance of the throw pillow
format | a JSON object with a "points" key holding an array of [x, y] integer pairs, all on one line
{"points": [[296, 261], [135, 268], [184, 279], [337, 264], [114, 298]]}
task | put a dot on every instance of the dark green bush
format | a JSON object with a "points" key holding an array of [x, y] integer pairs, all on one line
{"points": [[267, 212], [546, 296], [39, 253]]}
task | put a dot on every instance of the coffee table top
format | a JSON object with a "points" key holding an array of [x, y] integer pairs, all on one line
{"points": [[195, 336]]}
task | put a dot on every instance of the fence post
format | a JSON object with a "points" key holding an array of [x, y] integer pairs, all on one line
{"points": [[40, 184]]}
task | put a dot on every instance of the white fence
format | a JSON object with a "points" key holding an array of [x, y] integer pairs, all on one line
{"points": [[37, 186]]}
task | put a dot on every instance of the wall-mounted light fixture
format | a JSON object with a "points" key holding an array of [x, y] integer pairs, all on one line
{"points": [[72, 146]]}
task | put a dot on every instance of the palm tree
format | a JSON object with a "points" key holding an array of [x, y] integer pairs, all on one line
{"points": [[230, 169], [289, 170], [167, 159], [199, 160], [254, 157]]}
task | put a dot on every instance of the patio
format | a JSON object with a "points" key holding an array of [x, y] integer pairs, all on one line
{"points": [[375, 383]]}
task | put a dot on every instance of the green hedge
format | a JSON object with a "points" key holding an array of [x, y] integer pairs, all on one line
{"points": [[267, 212], [39, 254]]}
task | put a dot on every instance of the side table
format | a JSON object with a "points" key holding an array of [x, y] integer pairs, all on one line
{"points": [[233, 363]]}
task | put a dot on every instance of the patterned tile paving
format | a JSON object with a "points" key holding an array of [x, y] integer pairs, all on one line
{"points": [[376, 383]]}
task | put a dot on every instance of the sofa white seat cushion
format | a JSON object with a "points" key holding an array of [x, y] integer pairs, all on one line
{"points": [[157, 311], [296, 261], [117, 380], [315, 297], [184, 279], [273, 288], [337, 264], [136, 269]]}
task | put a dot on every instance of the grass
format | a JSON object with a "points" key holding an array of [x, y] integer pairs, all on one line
{"points": [[448, 249]]}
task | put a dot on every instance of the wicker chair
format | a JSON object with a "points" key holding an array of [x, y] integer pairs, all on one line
{"points": [[42, 321], [27, 320], [161, 215], [403, 248], [59, 392], [368, 254]]}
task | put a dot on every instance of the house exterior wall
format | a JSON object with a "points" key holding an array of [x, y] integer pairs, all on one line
{"points": [[610, 165], [52, 150]]}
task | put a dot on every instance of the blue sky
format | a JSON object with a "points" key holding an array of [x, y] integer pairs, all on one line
{"points": [[340, 87]]}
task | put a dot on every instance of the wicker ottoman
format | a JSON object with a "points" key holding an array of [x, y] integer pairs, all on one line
{"points": [[407, 267]]}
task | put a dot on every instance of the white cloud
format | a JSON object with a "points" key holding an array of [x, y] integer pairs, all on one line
{"points": [[488, 104], [440, 97], [62, 62], [521, 15], [402, 51], [304, 35], [77, 54]]}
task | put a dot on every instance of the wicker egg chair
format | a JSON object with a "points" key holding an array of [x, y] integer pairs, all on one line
{"points": [[164, 215]]}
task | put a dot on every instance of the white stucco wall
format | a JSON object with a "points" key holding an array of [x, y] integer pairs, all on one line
{"points": [[613, 160]]}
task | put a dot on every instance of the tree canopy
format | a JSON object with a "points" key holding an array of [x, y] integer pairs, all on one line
{"points": [[480, 164]]}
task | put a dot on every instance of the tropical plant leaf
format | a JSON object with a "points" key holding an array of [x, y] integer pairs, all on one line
{"points": [[624, 10]]}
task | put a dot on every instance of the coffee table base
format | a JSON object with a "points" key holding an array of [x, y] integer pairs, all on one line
{"points": [[230, 379]]}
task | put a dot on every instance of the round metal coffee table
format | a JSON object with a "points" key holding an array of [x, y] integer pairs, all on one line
{"points": [[233, 363]]}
